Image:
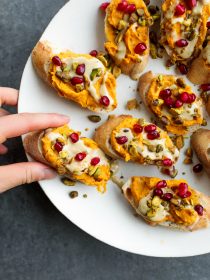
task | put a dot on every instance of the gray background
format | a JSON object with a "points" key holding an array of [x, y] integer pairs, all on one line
{"points": [[36, 241]]}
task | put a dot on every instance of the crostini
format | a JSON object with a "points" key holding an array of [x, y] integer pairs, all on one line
{"points": [[133, 139], [172, 102], [169, 203], [200, 141], [199, 72], [70, 154], [127, 33], [81, 78], [183, 28]]}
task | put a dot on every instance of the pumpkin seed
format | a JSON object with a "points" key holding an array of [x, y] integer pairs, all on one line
{"points": [[188, 160], [94, 118], [159, 148], [140, 12], [73, 194], [68, 182], [74, 66], [122, 24], [116, 71], [180, 82], [133, 18], [96, 72], [156, 201], [152, 148], [79, 87], [189, 152], [179, 142], [204, 123], [61, 170], [92, 169]]}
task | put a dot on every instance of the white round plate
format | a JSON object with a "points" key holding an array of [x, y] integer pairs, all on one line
{"points": [[78, 26]]}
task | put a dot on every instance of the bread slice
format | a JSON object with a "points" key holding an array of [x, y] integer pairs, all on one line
{"points": [[177, 213], [95, 84]]}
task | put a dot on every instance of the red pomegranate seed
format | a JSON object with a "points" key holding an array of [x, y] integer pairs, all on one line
{"points": [[158, 192], [198, 168], [131, 8], [181, 43], [77, 80], [167, 196], [169, 102], [137, 128], [178, 104], [179, 10], [184, 96], [74, 137], [191, 98], [104, 6], [161, 184], [94, 53], [183, 188], [199, 209], [140, 48], [80, 156], [183, 69], [95, 161], [167, 162], [191, 3], [150, 127], [205, 87], [122, 140], [187, 194], [153, 135], [105, 101], [165, 93], [208, 24], [122, 6], [80, 69], [56, 60], [58, 146]]}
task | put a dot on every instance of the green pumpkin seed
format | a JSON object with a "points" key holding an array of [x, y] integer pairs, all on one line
{"points": [[68, 182], [94, 118], [73, 194], [95, 73]]}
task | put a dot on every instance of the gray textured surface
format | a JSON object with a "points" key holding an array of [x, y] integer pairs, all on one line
{"points": [[36, 241]]}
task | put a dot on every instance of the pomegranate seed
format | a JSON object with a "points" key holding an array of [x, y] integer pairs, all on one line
{"points": [[95, 161], [167, 162], [179, 10], [191, 3], [122, 6], [169, 102], [198, 168], [158, 192], [205, 87], [150, 127], [94, 53], [74, 137], [199, 209], [137, 128], [183, 188], [178, 104], [104, 6], [77, 80], [184, 96], [58, 146], [165, 93], [167, 196], [191, 98], [140, 48], [80, 156], [56, 60], [105, 101], [183, 69], [161, 184], [187, 194], [131, 8], [181, 43], [122, 140], [153, 135], [208, 24], [80, 69]]}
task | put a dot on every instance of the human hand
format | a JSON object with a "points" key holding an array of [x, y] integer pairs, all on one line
{"points": [[18, 124]]}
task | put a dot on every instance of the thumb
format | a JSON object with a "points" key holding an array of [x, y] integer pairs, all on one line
{"points": [[21, 173]]}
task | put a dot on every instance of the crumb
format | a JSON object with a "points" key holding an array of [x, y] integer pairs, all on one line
{"points": [[85, 195], [73, 194], [132, 104], [87, 129], [183, 173], [122, 177]]}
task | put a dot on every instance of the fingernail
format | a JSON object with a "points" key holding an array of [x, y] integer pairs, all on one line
{"points": [[49, 174], [64, 117]]}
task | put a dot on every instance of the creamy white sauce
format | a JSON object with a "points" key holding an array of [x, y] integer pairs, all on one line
{"points": [[126, 132], [189, 110], [121, 51], [206, 53]]}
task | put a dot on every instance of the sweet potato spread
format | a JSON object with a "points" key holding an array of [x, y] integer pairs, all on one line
{"points": [[170, 202], [125, 30], [136, 140], [183, 27], [83, 79], [174, 103], [69, 153]]}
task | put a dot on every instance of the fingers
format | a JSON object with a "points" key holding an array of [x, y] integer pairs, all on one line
{"points": [[3, 149], [18, 124], [21, 173], [3, 112], [8, 96]]}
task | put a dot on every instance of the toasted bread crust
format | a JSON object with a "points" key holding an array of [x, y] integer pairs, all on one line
{"points": [[208, 106], [144, 83], [103, 134], [199, 72]]}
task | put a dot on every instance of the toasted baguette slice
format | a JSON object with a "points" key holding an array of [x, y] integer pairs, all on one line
{"points": [[190, 26], [178, 121], [124, 137], [200, 141], [199, 72], [124, 32], [176, 212], [89, 89], [61, 148]]}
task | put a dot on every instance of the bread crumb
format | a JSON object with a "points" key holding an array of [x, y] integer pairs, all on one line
{"points": [[87, 129], [132, 104]]}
